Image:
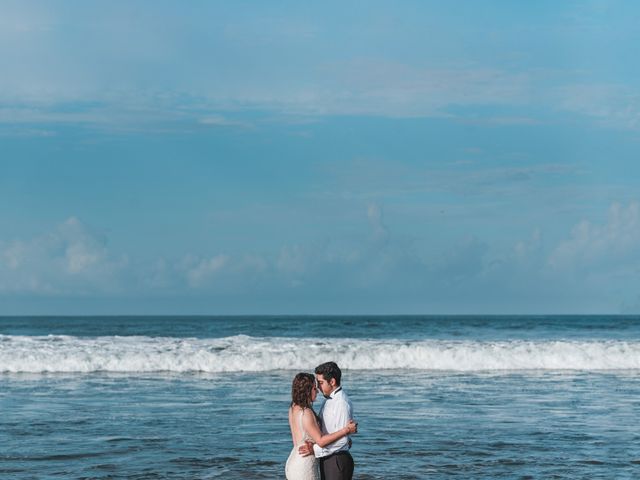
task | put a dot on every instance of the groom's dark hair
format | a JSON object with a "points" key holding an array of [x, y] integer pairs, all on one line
{"points": [[329, 370]]}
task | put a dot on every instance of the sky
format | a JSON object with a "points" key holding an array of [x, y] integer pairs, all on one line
{"points": [[413, 157]]}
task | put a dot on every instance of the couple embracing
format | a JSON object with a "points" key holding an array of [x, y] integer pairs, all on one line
{"points": [[321, 441]]}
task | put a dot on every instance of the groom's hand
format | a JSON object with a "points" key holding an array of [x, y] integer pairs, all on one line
{"points": [[306, 449]]}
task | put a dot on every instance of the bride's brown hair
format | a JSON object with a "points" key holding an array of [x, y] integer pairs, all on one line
{"points": [[301, 388]]}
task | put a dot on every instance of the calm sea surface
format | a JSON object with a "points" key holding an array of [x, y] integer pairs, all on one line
{"points": [[435, 397]]}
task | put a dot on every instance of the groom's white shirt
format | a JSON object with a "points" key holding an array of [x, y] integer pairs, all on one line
{"points": [[334, 414]]}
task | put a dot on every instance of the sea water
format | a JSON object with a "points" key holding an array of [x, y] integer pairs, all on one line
{"points": [[435, 397]]}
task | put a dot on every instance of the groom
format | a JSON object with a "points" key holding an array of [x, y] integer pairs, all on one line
{"points": [[336, 462]]}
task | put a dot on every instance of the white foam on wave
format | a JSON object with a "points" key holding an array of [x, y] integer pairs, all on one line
{"points": [[55, 353]]}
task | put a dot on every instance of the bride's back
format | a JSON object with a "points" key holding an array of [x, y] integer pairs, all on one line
{"points": [[298, 434], [298, 467]]}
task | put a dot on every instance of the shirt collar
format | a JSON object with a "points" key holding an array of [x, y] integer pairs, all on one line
{"points": [[333, 394]]}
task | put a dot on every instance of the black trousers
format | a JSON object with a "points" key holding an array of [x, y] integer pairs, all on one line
{"points": [[338, 466]]}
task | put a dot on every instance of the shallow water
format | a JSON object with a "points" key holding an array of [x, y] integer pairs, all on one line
{"points": [[414, 422], [412, 425]]}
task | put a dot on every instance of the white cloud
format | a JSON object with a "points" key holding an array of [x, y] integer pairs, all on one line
{"points": [[80, 258], [252, 263], [14, 255], [205, 269], [292, 260], [376, 220], [69, 259], [470, 274], [589, 244], [82, 250], [613, 105], [221, 121], [525, 249], [46, 71]]}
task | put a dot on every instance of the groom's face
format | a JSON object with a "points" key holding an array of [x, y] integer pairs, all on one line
{"points": [[326, 387]]}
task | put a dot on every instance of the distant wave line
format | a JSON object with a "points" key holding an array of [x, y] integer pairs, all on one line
{"points": [[241, 353]]}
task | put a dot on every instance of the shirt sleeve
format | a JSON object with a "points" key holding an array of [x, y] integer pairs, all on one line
{"points": [[318, 451]]}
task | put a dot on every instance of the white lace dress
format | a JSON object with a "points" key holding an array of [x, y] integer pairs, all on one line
{"points": [[298, 467]]}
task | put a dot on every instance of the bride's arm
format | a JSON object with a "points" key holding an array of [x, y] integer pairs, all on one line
{"points": [[293, 438], [311, 426]]}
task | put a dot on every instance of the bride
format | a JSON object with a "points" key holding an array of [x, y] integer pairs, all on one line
{"points": [[304, 427]]}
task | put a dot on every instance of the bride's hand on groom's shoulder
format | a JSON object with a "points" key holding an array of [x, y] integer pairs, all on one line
{"points": [[306, 449]]}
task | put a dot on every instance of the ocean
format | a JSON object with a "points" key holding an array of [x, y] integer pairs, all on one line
{"points": [[521, 397]]}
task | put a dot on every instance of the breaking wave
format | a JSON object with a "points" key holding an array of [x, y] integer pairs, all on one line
{"points": [[56, 353]]}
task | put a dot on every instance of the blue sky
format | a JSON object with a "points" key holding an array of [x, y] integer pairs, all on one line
{"points": [[290, 157]]}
